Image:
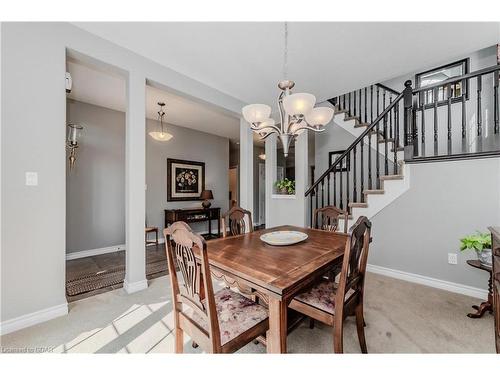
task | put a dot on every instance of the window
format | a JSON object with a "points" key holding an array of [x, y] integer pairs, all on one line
{"points": [[441, 93]]}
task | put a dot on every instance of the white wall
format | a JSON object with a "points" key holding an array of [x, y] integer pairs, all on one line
{"points": [[187, 144], [33, 139]]}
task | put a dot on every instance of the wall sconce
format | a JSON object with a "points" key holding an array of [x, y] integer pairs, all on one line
{"points": [[74, 132]]}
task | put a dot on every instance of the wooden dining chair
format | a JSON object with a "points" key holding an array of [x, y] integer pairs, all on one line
{"points": [[327, 218], [235, 220], [220, 322], [331, 302]]}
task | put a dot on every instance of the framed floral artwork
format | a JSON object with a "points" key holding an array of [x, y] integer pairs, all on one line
{"points": [[185, 180]]}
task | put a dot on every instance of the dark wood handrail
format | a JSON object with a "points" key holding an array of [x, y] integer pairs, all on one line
{"points": [[451, 80], [358, 140], [386, 88]]}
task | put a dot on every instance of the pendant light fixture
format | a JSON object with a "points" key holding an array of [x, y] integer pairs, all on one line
{"points": [[161, 135], [297, 111]]}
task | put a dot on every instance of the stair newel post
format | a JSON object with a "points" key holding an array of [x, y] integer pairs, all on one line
{"points": [[341, 188], [366, 104], [377, 155], [414, 126], [396, 137], [343, 101], [316, 196], [323, 193], [495, 104], [378, 101], [383, 101], [386, 148], [407, 116], [310, 210], [355, 191], [422, 129], [370, 185], [362, 174]]}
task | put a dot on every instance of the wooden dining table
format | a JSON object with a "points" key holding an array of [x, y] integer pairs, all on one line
{"points": [[275, 273]]}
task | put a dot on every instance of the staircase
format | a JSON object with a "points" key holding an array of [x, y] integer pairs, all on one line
{"points": [[391, 134]]}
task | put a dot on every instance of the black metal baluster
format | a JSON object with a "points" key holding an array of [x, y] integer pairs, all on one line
{"points": [[366, 106], [377, 155], [449, 119], [435, 97], [334, 189], [362, 144], [355, 190], [348, 164], [479, 115], [328, 189], [355, 113], [383, 101], [310, 210], [341, 198], [370, 161], [386, 148], [495, 105], [378, 101], [360, 111], [390, 118], [316, 194], [323, 193], [371, 104], [349, 105]]}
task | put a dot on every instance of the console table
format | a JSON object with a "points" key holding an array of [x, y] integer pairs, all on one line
{"points": [[195, 215], [486, 305]]}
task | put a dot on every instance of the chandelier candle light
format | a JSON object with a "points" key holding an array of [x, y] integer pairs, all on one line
{"points": [[297, 112], [162, 135]]}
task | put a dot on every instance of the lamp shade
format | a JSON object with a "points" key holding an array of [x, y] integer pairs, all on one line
{"points": [[300, 103], [206, 194], [256, 112], [319, 116], [161, 136]]}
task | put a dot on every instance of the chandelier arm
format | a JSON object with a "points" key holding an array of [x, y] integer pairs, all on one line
{"points": [[309, 127], [275, 128], [268, 134]]}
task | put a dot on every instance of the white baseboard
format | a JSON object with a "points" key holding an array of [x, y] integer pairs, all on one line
{"points": [[92, 252], [31, 319], [429, 281], [135, 286]]}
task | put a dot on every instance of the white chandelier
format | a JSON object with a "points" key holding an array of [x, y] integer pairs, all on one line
{"points": [[161, 135], [297, 112]]}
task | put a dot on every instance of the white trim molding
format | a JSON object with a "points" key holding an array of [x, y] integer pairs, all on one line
{"points": [[33, 318], [92, 252], [135, 286], [429, 281]]}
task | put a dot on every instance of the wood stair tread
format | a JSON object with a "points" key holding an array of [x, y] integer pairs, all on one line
{"points": [[348, 118], [392, 177], [358, 204], [374, 191]]}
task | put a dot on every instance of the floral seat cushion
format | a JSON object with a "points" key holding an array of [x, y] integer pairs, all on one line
{"points": [[321, 296], [236, 313]]}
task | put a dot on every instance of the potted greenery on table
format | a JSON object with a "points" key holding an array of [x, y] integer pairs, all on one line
{"points": [[481, 243], [285, 186]]}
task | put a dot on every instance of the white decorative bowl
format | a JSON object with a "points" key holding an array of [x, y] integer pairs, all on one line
{"points": [[283, 237]]}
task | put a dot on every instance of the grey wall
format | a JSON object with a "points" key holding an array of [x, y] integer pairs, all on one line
{"points": [[95, 189], [33, 139], [445, 202], [187, 144]]}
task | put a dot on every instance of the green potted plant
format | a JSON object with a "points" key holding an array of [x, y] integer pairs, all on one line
{"points": [[481, 244], [285, 186]]}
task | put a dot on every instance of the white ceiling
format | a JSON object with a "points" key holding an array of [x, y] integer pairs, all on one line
{"points": [[94, 86], [245, 59]]}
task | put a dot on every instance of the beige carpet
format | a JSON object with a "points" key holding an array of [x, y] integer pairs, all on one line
{"points": [[401, 317]]}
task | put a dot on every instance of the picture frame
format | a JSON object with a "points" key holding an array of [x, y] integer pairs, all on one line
{"points": [[334, 155], [185, 180]]}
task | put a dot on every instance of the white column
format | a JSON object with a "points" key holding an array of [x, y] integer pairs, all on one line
{"points": [[246, 166], [301, 174], [135, 180]]}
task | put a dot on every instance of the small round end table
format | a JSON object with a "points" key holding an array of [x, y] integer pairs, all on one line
{"points": [[486, 305]]}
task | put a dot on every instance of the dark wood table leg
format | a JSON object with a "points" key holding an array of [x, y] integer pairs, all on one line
{"points": [[485, 306], [276, 336]]}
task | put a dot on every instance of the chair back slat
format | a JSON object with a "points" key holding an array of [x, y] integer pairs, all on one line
{"points": [[327, 218], [235, 219], [352, 276], [195, 289]]}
